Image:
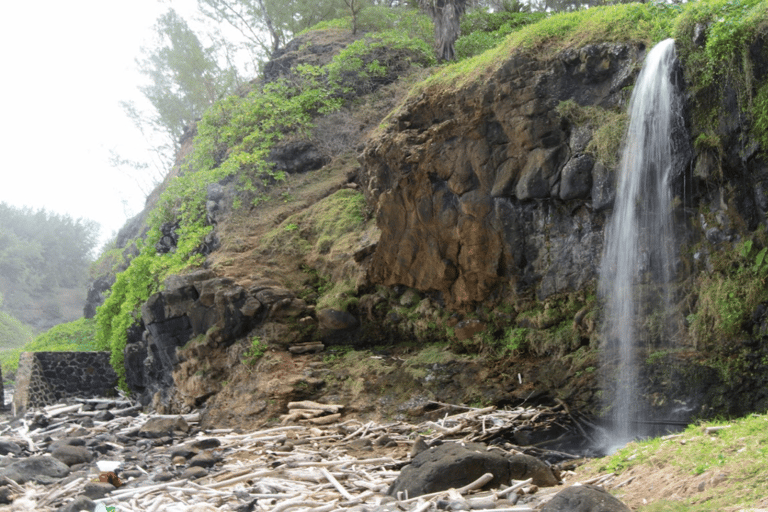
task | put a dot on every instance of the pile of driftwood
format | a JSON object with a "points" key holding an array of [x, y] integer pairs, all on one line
{"points": [[315, 465]]}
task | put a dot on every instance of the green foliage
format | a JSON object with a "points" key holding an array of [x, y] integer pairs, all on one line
{"points": [[319, 227], [514, 339], [728, 296], [737, 452], [13, 333], [483, 30], [649, 23], [76, 336], [723, 63], [367, 61], [257, 349], [235, 137]]}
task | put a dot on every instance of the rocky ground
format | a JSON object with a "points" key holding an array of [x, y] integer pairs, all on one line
{"points": [[315, 459]]}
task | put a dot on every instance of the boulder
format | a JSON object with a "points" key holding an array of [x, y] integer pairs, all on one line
{"points": [[160, 426], [335, 320], [584, 498], [42, 469], [96, 490], [7, 446], [523, 467], [71, 455], [450, 465]]}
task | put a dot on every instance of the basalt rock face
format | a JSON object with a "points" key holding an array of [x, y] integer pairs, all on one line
{"points": [[198, 304], [178, 352], [487, 186]]}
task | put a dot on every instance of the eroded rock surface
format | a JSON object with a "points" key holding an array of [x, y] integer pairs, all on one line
{"points": [[489, 186]]}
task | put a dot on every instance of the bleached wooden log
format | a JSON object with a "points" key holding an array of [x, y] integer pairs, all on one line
{"points": [[513, 488], [324, 508], [323, 420], [487, 477], [598, 479], [239, 479], [127, 411], [623, 483], [137, 491], [484, 502], [299, 502], [423, 507], [337, 485], [307, 404], [712, 430]]}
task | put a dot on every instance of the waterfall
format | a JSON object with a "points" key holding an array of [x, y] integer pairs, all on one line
{"points": [[640, 250]]}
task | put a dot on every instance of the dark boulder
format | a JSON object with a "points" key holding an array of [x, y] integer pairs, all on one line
{"points": [[584, 498], [450, 465], [333, 320], [42, 469], [523, 467]]}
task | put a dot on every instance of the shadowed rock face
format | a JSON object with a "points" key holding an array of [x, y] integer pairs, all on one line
{"points": [[487, 185]]}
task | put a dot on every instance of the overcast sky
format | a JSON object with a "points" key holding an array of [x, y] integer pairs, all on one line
{"points": [[66, 66]]}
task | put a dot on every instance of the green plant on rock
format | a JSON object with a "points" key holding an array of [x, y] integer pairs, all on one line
{"points": [[256, 350], [514, 339]]}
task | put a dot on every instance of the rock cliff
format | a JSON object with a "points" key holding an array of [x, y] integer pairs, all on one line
{"points": [[485, 201], [489, 188]]}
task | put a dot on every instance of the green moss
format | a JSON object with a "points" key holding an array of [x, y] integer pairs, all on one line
{"points": [[609, 128], [722, 63], [341, 296]]}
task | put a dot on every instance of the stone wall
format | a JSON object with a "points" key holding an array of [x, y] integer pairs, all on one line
{"points": [[44, 378]]}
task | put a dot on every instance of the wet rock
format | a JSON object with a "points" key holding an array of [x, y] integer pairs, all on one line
{"points": [[584, 498], [5, 495], [164, 476], [104, 416], [450, 465]]}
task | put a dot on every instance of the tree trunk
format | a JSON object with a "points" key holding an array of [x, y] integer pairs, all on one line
{"points": [[270, 27], [446, 15]]}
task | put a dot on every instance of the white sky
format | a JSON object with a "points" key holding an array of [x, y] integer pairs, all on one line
{"points": [[66, 65]]}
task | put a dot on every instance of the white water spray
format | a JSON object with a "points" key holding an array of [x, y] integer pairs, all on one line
{"points": [[640, 253]]}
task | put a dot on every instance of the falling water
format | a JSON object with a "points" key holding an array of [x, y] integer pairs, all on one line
{"points": [[639, 254]]}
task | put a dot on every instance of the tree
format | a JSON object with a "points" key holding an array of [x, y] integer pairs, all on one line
{"points": [[184, 80], [446, 15], [355, 6], [267, 25]]}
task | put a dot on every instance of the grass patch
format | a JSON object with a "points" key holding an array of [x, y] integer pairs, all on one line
{"points": [[735, 455]]}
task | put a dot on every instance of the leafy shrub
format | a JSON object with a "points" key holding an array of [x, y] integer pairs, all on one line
{"points": [[484, 30]]}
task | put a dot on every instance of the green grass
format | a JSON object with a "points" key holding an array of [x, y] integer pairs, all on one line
{"points": [[739, 452]]}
